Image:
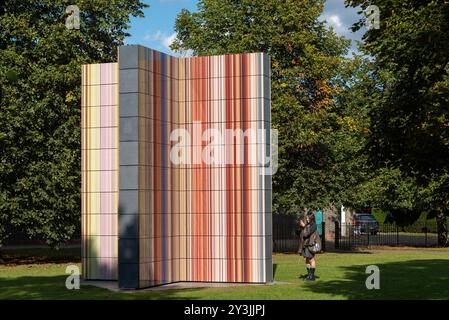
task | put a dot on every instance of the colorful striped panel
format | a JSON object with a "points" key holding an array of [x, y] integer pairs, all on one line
{"points": [[194, 221], [99, 170]]}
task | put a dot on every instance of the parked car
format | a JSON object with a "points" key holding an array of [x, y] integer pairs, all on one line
{"points": [[365, 223]]}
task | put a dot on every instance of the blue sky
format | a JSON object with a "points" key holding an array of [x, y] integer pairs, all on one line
{"points": [[156, 30]]}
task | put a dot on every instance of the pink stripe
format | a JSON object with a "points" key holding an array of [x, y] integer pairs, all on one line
{"points": [[108, 95], [108, 159], [107, 73], [108, 136], [108, 183]]}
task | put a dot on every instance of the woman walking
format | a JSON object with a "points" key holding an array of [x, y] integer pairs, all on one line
{"points": [[308, 229]]}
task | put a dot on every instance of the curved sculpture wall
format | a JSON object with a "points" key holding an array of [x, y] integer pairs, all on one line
{"points": [[193, 182]]}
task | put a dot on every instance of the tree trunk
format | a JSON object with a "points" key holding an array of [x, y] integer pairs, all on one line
{"points": [[441, 229]]}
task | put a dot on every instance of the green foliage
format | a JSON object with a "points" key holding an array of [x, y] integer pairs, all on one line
{"points": [[40, 70], [424, 220], [305, 57], [379, 215], [353, 131], [347, 141], [409, 131]]}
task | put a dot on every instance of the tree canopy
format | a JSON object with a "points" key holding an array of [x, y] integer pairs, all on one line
{"points": [[40, 72], [367, 130], [305, 59], [409, 115]]}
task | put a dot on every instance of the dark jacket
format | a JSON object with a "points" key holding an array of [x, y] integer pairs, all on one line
{"points": [[304, 237]]}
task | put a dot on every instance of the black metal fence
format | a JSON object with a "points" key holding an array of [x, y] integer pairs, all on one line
{"points": [[348, 235], [284, 237]]}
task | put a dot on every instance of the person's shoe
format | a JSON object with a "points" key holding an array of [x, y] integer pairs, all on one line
{"points": [[311, 276], [307, 277]]}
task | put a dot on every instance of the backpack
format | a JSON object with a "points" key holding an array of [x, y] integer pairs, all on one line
{"points": [[315, 243]]}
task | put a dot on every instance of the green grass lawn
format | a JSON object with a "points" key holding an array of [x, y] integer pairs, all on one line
{"points": [[404, 275]]}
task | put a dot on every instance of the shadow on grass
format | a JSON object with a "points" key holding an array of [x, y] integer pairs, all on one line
{"points": [[414, 279], [53, 287]]}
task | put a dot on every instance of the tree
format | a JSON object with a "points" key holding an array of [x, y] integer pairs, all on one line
{"points": [[305, 56], [347, 142], [410, 115], [40, 109]]}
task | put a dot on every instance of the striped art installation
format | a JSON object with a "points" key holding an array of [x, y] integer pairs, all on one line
{"points": [[176, 169], [99, 170]]}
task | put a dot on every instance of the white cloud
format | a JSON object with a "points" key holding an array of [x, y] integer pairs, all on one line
{"points": [[341, 18], [164, 39], [335, 21], [167, 41], [170, 1], [184, 54]]}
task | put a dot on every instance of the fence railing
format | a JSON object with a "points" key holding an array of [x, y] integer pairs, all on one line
{"points": [[349, 235]]}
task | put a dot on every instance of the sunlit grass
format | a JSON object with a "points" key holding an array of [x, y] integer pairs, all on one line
{"points": [[404, 275]]}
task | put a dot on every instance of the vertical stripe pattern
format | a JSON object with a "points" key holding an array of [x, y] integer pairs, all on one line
{"points": [[99, 170], [207, 217]]}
